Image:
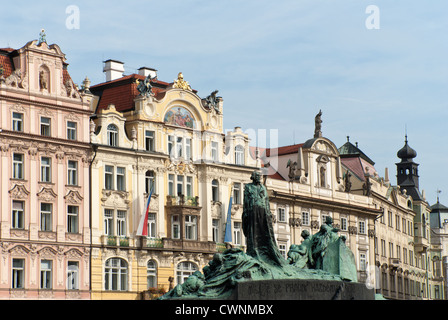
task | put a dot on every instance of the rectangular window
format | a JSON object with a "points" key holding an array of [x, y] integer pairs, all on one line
{"points": [[71, 130], [362, 262], [121, 181], [18, 214], [383, 247], [45, 126], [281, 214], [72, 178], [72, 275], [121, 223], [390, 222], [72, 219], [45, 169], [282, 249], [305, 218], [175, 227], [344, 224], [108, 222], [362, 227], [170, 146], [109, 177], [18, 273], [214, 151], [17, 166], [215, 230], [17, 121], [45, 216], [237, 193], [45, 274], [188, 149], [191, 227], [237, 233], [180, 185], [189, 186], [152, 225], [179, 147], [149, 141], [397, 222]]}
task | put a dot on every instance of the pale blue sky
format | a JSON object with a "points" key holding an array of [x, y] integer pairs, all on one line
{"points": [[276, 63]]}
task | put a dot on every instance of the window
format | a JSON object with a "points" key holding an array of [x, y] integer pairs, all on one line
{"points": [[121, 223], [45, 169], [190, 227], [72, 219], [281, 212], [17, 121], [184, 270], [171, 184], [170, 146], [362, 227], [188, 152], [305, 218], [390, 222], [152, 225], [121, 181], [18, 214], [239, 155], [215, 230], [72, 275], [149, 140], [17, 166], [175, 227], [109, 177], [237, 233], [343, 224], [71, 130], [237, 193], [214, 151], [362, 262], [109, 222], [72, 178], [215, 190], [282, 249], [45, 216], [151, 274], [112, 135], [45, 274], [179, 147], [45, 126], [116, 274], [397, 222], [391, 250], [180, 185], [18, 273], [383, 247], [149, 181], [189, 186]]}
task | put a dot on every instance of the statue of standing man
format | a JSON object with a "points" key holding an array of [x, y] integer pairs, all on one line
{"points": [[257, 224]]}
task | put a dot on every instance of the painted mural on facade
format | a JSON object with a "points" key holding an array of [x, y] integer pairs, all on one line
{"points": [[179, 116]]}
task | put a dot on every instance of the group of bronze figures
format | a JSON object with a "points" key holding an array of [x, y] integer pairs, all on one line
{"points": [[321, 256]]}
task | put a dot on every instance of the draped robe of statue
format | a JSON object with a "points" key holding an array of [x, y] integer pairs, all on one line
{"points": [[257, 224]]}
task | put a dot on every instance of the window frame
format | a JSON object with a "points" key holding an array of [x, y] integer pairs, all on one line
{"points": [[17, 123], [72, 131], [45, 127]]}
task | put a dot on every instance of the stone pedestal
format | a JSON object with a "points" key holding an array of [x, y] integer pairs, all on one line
{"points": [[295, 289]]}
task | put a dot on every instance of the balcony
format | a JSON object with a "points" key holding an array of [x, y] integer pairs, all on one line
{"points": [[394, 262], [115, 241], [182, 200]]}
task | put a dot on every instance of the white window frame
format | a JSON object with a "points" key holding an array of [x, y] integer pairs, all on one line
{"points": [[362, 226], [237, 232], [184, 270], [46, 215], [121, 223], [45, 169], [112, 135], [108, 222], [18, 166], [237, 193], [214, 151], [121, 179], [18, 215], [17, 121], [72, 219], [72, 173], [215, 230], [45, 126], [116, 274], [191, 227], [46, 273], [150, 179], [72, 275], [239, 155], [305, 218], [150, 140], [152, 225], [18, 273], [72, 130], [281, 214], [151, 274], [175, 226]]}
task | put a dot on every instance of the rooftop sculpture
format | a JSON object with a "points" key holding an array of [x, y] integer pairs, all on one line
{"points": [[322, 256]]}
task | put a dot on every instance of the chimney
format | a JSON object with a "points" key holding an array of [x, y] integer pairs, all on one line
{"points": [[114, 69], [145, 71]]}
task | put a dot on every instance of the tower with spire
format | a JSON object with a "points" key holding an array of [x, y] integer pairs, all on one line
{"points": [[407, 171]]}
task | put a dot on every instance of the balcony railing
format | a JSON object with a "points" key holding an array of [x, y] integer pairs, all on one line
{"points": [[182, 200]]}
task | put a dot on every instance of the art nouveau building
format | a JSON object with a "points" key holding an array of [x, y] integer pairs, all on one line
{"points": [[160, 138], [44, 189]]}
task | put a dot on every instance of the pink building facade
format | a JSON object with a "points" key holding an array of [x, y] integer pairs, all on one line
{"points": [[44, 177]]}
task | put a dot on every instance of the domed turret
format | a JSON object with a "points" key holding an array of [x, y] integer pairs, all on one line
{"points": [[406, 153]]}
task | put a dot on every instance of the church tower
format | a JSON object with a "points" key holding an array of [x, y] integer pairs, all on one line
{"points": [[407, 171]]}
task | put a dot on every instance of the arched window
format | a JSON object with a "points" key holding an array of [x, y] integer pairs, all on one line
{"points": [[150, 179], [184, 270], [112, 135], [239, 155], [151, 274], [116, 275], [215, 190]]}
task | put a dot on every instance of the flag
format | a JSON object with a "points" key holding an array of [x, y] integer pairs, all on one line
{"points": [[228, 235], [142, 229]]}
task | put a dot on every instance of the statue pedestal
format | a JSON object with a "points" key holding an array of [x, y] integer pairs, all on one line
{"points": [[297, 289]]}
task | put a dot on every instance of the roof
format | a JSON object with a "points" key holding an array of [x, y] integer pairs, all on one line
{"points": [[348, 150], [122, 92], [6, 62], [284, 150], [358, 166]]}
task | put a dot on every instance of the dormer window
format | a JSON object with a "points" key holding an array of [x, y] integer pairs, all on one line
{"points": [[239, 155], [112, 135]]}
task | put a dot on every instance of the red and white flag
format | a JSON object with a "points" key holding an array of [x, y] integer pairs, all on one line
{"points": [[142, 229]]}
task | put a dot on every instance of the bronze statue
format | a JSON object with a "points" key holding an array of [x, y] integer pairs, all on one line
{"points": [[318, 125]]}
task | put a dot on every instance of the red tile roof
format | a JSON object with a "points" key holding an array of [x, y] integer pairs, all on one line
{"points": [[285, 150], [6, 62]]}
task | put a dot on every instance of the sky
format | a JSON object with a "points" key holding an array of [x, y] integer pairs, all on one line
{"points": [[377, 69]]}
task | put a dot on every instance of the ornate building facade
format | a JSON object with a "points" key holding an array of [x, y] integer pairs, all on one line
{"points": [[44, 188], [161, 139]]}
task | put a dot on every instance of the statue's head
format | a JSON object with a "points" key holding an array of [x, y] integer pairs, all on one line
{"points": [[305, 234], [255, 177], [328, 220]]}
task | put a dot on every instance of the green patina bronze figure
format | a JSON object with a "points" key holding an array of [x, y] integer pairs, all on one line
{"points": [[323, 256]]}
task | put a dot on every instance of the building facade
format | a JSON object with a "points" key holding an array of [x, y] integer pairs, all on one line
{"points": [[161, 139], [44, 188]]}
